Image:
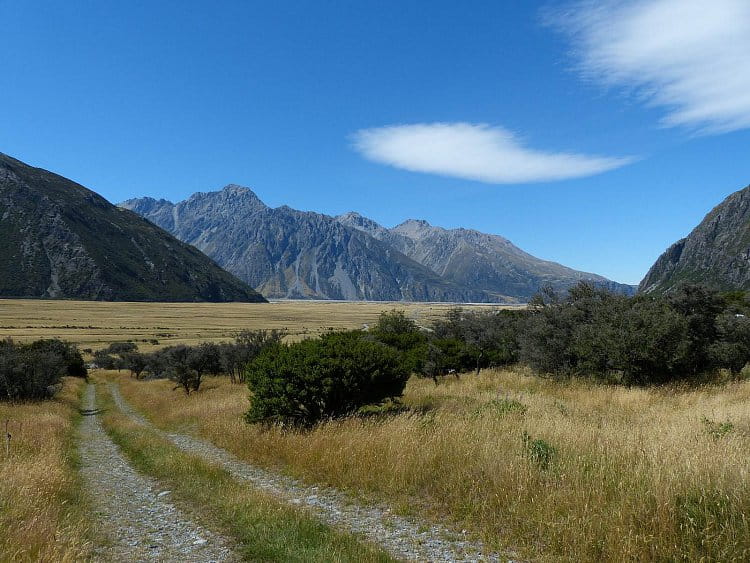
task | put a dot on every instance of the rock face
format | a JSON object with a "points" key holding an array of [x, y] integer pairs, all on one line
{"points": [[294, 254], [716, 253], [287, 253], [477, 260], [61, 240]]}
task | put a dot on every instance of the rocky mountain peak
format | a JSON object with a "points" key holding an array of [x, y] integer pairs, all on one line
{"points": [[716, 253], [414, 228]]}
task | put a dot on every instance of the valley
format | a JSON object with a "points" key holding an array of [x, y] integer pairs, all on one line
{"points": [[94, 324]]}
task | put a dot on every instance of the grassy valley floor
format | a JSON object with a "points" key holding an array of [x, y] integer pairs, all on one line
{"points": [[95, 324]]}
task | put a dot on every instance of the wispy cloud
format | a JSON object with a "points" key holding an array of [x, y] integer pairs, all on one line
{"points": [[691, 57], [475, 152]]}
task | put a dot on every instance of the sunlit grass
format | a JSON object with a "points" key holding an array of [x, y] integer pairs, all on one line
{"points": [[95, 324], [630, 474], [42, 505]]}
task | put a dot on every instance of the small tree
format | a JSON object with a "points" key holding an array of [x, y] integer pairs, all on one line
{"points": [[135, 362]]}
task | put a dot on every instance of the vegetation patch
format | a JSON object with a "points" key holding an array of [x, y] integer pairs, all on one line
{"points": [[329, 377], [43, 514], [716, 429]]}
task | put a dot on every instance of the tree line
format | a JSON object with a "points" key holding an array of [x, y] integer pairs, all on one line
{"points": [[186, 365]]}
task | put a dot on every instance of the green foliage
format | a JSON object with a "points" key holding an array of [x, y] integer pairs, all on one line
{"points": [[502, 407], [181, 367], [135, 362], [642, 340], [121, 347], [471, 340], [394, 329], [541, 453], [717, 429], [34, 371], [328, 377]]}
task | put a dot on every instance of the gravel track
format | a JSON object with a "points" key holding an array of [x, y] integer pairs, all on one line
{"points": [[405, 538], [135, 515]]}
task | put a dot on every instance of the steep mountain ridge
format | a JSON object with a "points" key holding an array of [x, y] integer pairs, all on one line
{"points": [[477, 260], [716, 253], [298, 254], [61, 240]]}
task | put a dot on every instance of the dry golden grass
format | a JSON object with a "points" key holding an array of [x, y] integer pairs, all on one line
{"points": [[41, 515], [93, 324], [637, 474]]}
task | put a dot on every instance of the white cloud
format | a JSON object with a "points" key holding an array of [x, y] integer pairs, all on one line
{"points": [[690, 57], [475, 152]]}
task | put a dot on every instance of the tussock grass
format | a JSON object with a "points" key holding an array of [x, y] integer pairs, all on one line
{"points": [[42, 505], [266, 529], [563, 471], [95, 324]]}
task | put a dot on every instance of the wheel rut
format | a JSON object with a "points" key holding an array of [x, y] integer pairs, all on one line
{"points": [[405, 538], [133, 512]]}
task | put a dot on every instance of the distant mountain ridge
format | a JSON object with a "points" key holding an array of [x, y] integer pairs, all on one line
{"points": [[295, 254], [59, 240], [716, 253], [477, 260]]}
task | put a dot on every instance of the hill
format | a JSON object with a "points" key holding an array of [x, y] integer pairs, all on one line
{"points": [[60, 240], [716, 253]]}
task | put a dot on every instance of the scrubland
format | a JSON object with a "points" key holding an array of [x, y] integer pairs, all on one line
{"points": [[559, 471], [42, 506]]}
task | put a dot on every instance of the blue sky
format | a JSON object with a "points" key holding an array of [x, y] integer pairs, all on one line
{"points": [[590, 133]]}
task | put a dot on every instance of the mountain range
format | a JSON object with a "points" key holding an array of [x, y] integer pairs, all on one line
{"points": [[286, 253], [716, 253], [61, 240]]}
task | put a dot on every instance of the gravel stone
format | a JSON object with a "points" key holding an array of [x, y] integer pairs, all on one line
{"points": [[141, 525]]}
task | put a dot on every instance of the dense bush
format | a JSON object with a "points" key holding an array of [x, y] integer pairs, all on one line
{"points": [[394, 329], [235, 356], [34, 371], [331, 376], [638, 340]]}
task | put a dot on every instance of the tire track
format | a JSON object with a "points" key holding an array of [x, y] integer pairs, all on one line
{"points": [[136, 517], [405, 538]]}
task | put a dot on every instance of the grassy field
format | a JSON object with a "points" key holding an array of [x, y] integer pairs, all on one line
{"points": [[93, 324], [560, 471], [42, 506]]}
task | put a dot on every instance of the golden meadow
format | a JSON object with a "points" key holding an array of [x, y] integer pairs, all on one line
{"points": [[557, 471]]}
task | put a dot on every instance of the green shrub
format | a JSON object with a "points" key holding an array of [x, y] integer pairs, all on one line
{"points": [[394, 329], [538, 451], [328, 377], [717, 429], [502, 407]]}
